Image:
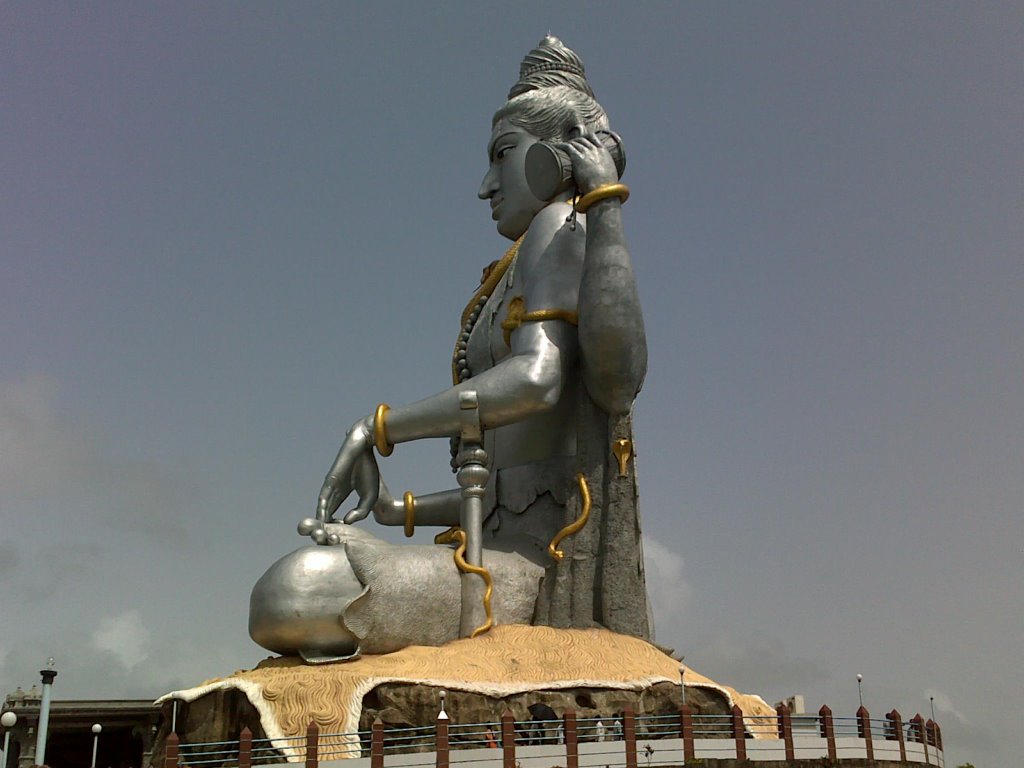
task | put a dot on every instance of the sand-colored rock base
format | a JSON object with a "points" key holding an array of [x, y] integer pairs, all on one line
{"points": [[510, 659]]}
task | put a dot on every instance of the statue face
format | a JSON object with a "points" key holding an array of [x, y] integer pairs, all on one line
{"points": [[513, 206]]}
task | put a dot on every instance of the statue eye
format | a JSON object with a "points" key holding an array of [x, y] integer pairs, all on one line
{"points": [[500, 154]]}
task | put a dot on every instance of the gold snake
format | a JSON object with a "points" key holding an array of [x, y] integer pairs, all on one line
{"points": [[577, 525], [456, 534]]}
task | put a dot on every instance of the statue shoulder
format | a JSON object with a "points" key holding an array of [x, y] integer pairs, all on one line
{"points": [[550, 262]]}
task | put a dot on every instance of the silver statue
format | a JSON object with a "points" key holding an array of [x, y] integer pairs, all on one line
{"points": [[550, 356]]}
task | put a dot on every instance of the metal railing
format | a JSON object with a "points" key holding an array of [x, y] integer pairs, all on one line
{"points": [[619, 739]]}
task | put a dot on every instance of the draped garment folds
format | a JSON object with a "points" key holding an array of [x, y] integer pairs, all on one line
{"points": [[600, 580]]}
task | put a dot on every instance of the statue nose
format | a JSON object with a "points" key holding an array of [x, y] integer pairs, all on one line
{"points": [[488, 186]]}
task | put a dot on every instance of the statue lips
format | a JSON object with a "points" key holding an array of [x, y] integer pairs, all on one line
{"points": [[495, 204]]}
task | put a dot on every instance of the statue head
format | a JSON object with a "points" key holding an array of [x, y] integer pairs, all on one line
{"points": [[550, 99], [552, 95]]}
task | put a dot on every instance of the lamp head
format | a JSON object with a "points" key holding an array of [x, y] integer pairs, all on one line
{"points": [[8, 719], [97, 728]]}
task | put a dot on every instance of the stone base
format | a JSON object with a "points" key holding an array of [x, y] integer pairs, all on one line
{"points": [[406, 706], [595, 672]]}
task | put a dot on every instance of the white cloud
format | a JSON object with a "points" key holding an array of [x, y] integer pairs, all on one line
{"points": [[667, 588], [123, 636], [943, 704]]}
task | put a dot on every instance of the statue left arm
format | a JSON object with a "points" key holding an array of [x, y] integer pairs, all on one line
{"points": [[613, 345]]}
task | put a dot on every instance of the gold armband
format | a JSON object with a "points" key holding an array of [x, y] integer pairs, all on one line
{"points": [[380, 435], [410, 514], [620, 191], [517, 315]]}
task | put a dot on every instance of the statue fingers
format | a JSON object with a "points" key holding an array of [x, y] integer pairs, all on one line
{"points": [[357, 514], [334, 491], [366, 479], [592, 165]]}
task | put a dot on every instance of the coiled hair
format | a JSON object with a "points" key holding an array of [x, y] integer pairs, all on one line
{"points": [[551, 113], [552, 95]]}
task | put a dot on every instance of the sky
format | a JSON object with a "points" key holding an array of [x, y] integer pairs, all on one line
{"points": [[228, 230]]}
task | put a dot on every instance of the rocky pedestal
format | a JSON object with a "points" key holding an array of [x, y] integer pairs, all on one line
{"points": [[220, 715], [596, 673]]}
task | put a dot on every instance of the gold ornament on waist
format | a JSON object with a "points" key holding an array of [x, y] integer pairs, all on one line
{"points": [[623, 450], [517, 315]]}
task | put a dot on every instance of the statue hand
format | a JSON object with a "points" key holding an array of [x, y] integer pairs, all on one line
{"points": [[354, 469], [592, 164]]}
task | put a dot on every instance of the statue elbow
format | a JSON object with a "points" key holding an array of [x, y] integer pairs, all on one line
{"points": [[543, 389], [614, 388]]}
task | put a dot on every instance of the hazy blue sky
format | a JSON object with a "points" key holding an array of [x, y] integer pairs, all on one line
{"points": [[227, 230]]}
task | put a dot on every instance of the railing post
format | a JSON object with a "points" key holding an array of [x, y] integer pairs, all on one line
{"points": [[828, 731], [930, 738], [572, 750], [312, 744], [738, 733], [170, 751], [377, 744], [896, 733], [786, 730], [864, 731], [917, 728], [686, 727], [917, 733], [629, 735], [508, 740], [441, 741], [245, 748]]}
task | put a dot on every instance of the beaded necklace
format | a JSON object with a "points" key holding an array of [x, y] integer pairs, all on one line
{"points": [[460, 365]]}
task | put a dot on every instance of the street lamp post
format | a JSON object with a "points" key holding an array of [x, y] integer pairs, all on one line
{"points": [[931, 703], [682, 680], [44, 711], [860, 695], [97, 729], [7, 720]]}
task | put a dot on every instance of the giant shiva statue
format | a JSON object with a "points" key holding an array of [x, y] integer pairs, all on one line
{"points": [[549, 358]]}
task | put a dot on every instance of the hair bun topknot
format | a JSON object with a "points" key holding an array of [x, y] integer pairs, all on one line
{"points": [[551, 63]]}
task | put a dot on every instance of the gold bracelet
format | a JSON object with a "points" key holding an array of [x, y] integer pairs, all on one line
{"points": [[380, 435], [620, 191], [410, 514]]}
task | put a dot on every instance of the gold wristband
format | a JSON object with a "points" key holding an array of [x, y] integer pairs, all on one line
{"points": [[410, 514], [380, 435], [620, 191]]}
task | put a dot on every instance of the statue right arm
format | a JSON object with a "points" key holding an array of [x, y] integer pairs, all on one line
{"points": [[526, 382]]}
